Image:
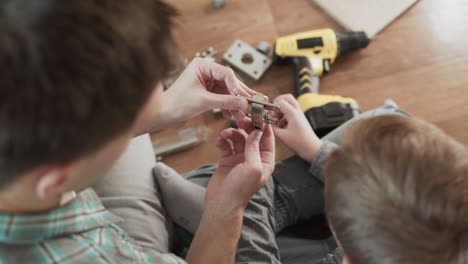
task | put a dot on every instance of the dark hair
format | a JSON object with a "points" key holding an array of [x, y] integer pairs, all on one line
{"points": [[397, 192], [75, 74]]}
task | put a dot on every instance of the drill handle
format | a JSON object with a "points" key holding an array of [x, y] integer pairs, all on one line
{"points": [[306, 80]]}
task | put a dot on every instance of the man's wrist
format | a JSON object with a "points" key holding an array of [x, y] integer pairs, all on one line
{"points": [[218, 234], [224, 208], [163, 115]]}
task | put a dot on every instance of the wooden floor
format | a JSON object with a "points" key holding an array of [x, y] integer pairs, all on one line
{"points": [[420, 61]]}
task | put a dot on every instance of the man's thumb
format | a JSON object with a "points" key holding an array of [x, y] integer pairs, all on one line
{"points": [[228, 102]]}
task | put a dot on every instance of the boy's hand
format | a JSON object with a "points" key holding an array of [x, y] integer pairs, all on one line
{"points": [[203, 86], [246, 163], [294, 129]]}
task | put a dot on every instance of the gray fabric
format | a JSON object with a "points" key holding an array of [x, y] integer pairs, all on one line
{"points": [[129, 191], [318, 163], [389, 108], [301, 250], [298, 195], [336, 257], [278, 205], [183, 199], [257, 243]]}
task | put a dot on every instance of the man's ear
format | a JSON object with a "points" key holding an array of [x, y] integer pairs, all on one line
{"points": [[52, 181], [346, 260]]}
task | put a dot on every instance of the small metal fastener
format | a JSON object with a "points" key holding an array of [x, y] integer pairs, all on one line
{"points": [[259, 110], [264, 47], [209, 54], [218, 3]]}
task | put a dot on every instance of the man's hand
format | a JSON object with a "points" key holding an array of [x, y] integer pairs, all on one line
{"points": [[294, 129], [245, 165], [203, 86]]}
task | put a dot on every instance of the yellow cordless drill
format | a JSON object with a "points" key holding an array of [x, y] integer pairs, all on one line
{"points": [[312, 53]]}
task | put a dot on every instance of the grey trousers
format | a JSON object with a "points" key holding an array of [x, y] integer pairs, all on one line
{"points": [[293, 194]]}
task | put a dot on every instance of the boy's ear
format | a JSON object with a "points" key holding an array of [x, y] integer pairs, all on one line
{"points": [[346, 260], [52, 181]]}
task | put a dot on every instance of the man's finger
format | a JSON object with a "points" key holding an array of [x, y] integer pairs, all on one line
{"points": [[252, 150], [237, 114], [246, 89], [226, 102], [226, 114], [267, 143], [237, 138], [224, 147], [245, 123], [211, 70]]}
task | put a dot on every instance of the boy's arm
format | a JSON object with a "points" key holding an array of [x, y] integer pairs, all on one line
{"points": [[295, 131]]}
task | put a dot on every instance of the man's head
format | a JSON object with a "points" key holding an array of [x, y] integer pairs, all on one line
{"points": [[75, 77], [396, 192]]}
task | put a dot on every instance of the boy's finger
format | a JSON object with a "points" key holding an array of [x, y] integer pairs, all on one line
{"points": [[280, 98], [276, 114], [286, 108], [288, 98], [279, 132], [283, 123]]}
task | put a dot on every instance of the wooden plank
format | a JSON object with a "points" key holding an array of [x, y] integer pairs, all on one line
{"points": [[420, 60], [369, 16]]}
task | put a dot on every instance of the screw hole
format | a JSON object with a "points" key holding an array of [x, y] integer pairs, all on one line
{"points": [[229, 55], [265, 61], [247, 58], [255, 72]]}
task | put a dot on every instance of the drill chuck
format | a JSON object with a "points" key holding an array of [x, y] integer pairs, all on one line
{"points": [[351, 40]]}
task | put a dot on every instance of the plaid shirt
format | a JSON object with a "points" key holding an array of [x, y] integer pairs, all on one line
{"points": [[82, 231]]}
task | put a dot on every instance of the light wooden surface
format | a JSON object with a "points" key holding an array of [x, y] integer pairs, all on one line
{"points": [[420, 61], [369, 16]]}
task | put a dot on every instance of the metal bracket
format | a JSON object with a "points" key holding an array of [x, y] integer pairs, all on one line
{"points": [[185, 139], [247, 59], [259, 110]]}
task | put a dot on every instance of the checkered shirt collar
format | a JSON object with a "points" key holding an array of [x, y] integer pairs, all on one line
{"points": [[83, 213]]}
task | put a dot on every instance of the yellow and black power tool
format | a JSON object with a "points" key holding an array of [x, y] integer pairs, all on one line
{"points": [[312, 53]]}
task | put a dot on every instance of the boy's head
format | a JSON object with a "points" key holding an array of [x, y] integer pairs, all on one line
{"points": [[76, 77], [396, 192]]}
